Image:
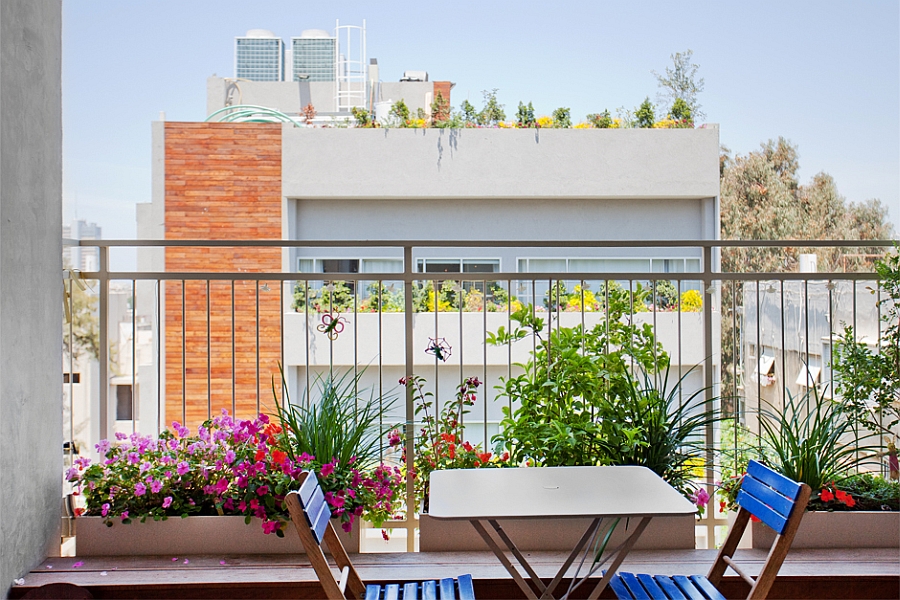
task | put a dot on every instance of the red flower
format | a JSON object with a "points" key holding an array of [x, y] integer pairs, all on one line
{"points": [[260, 455], [845, 498], [485, 457], [278, 457], [452, 451], [447, 437], [826, 496]]}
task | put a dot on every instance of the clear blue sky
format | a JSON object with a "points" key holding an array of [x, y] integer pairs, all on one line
{"points": [[823, 74]]}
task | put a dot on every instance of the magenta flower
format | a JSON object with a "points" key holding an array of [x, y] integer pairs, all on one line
{"points": [[145, 466], [102, 447], [183, 468], [261, 490], [327, 469], [155, 485], [270, 527], [134, 458], [104, 509], [700, 498], [167, 502], [140, 489]]}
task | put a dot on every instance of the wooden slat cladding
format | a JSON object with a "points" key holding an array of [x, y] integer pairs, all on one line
{"points": [[222, 181]]}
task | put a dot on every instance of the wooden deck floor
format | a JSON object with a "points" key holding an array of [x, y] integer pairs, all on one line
{"points": [[863, 573]]}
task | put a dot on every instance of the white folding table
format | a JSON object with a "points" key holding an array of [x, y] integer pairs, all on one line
{"points": [[487, 496]]}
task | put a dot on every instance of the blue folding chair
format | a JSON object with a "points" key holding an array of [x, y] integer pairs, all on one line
{"points": [[312, 519], [772, 498]]}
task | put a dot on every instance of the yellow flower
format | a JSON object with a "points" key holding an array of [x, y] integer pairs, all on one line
{"points": [[667, 123], [545, 122], [691, 301], [584, 125], [616, 124], [696, 466]]}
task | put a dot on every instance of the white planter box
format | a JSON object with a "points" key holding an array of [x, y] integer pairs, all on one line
{"points": [[193, 535], [663, 533], [821, 529]]}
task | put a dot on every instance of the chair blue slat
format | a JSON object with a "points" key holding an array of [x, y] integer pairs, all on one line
{"points": [[309, 486], [466, 587], [767, 496], [373, 592], [392, 591], [688, 588], [785, 486], [315, 503], [672, 591], [762, 512], [706, 587], [448, 591], [651, 586], [319, 522], [618, 586], [411, 591], [635, 587], [429, 590]]}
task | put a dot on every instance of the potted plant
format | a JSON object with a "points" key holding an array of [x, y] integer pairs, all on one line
{"points": [[228, 474], [812, 441]]}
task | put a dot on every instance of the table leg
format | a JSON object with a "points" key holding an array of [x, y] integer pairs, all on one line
{"points": [[588, 534], [520, 581], [620, 556]]}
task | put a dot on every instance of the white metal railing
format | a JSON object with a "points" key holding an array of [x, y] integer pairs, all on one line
{"points": [[136, 341]]}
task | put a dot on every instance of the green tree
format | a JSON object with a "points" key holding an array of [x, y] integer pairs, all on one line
{"points": [[680, 111], [400, 112], [469, 113], [440, 109], [562, 118], [681, 81], [525, 115], [600, 120], [762, 199], [644, 115], [492, 113], [80, 319]]}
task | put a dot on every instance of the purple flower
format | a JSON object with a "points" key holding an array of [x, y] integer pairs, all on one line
{"points": [[167, 502], [183, 468], [103, 447], [134, 458], [155, 486], [700, 498], [104, 509], [71, 474], [140, 489], [145, 466]]}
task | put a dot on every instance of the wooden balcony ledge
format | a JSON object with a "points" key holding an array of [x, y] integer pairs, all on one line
{"points": [[807, 573]]}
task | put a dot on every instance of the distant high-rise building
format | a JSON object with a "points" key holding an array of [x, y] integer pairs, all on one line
{"points": [[83, 258], [314, 56], [259, 56]]}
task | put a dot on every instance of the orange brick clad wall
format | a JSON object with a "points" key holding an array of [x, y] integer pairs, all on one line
{"points": [[222, 181]]}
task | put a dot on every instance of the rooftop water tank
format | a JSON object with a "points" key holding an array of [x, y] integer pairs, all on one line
{"points": [[260, 33], [414, 76]]}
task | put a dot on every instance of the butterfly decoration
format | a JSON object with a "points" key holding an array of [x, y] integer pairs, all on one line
{"points": [[439, 348], [332, 325]]}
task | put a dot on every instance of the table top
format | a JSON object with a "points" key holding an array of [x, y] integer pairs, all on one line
{"points": [[539, 492]]}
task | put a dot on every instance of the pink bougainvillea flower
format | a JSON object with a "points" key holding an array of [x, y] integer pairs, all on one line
{"points": [[261, 490], [327, 469]]}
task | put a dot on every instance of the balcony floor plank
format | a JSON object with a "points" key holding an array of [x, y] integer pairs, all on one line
{"points": [[852, 573]]}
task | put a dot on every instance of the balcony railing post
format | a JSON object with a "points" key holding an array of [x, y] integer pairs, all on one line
{"points": [[411, 507], [103, 276]]}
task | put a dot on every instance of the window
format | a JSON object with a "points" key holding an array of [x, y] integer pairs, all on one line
{"points": [[124, 403], [462, 265], [347, 265]]}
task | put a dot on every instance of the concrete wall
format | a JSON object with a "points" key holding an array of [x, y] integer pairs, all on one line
{"points": [[287, 96], [437, 164], [30, 290]]}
